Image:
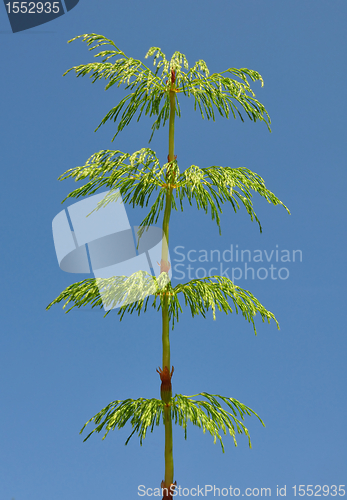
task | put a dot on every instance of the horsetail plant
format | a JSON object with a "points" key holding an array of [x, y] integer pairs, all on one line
{"points": [[137, 178]]}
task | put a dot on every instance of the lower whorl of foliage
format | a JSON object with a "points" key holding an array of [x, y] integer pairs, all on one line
{"points": [[199, 294], [144, 414]]}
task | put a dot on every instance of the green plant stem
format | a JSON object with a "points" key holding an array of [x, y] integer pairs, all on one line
{"points": [[169, 467], [172, 124]]}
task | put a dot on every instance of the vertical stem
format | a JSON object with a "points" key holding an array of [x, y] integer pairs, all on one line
{"points": [[169, 467], [172, 123]]}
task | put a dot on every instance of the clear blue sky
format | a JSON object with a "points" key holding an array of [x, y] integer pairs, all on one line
{"points": [[57, 370]]}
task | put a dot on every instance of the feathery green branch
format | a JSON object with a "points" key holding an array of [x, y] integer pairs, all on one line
{"points": [[137, 176], [201, 295], [144, 414], [150, 92]]}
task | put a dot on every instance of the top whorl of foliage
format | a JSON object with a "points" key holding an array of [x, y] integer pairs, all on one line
{"points": [[150, 90]]}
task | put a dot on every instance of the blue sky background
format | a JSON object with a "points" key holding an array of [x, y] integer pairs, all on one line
{"points": [[57, 370]]}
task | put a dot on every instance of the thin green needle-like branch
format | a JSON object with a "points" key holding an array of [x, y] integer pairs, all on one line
{"points": [[150, 94], [201, 295], [138, 177], [208, 414]]}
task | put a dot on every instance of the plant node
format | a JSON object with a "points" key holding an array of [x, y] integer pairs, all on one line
{"points": [[164, 266], [166, 387], [168, 491]]}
